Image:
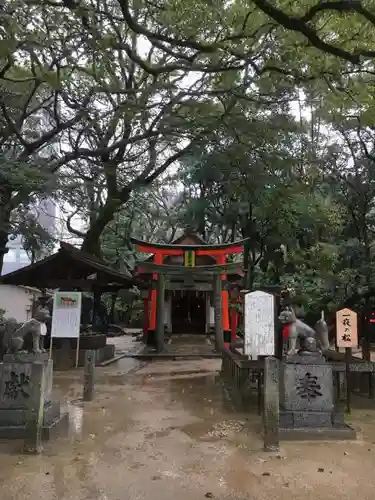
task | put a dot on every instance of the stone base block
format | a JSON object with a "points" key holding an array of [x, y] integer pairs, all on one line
{"points": [[336, 432], [310, 419], [17, 417], [12, 422], [300, 425], [66, 359], [57, 427], [16, 368], [27, 357]]}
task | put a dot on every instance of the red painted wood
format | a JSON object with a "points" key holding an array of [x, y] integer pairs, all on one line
{"points": [[221, 259], [152, 247], [156, 251], [158, 259], [223, 252]]}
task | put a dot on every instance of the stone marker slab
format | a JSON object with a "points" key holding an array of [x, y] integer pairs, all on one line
{"points": [[307, 403], [15, 377], [271, 404], [17, 393], [307, 387], [259, 324], [35, 410]]}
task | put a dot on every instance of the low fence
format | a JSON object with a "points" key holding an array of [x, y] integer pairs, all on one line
{"points": [[357, 376], [241, 376], [244, 378]]}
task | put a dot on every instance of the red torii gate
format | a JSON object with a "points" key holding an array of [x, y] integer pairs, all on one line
{"points": [[189, 252]]}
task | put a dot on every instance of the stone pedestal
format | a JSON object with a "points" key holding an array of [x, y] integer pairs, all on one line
{"points": [[306, 401], [64, 358], [15, 393]]}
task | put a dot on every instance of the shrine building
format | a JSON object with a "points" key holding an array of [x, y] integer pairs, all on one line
{"points": [[188, 298]]}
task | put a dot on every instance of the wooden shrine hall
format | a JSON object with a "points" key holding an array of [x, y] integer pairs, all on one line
{"points": [[179, 287]]}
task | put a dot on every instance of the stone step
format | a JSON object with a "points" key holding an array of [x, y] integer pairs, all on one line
{"points": [[57, 427], [15, 417], [341, 432], [313, 419]]}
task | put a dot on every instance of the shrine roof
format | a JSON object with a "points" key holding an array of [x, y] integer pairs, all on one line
{"points": [[188, 241], [69, 266]]}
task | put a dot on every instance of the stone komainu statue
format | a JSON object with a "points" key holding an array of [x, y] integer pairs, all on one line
{"points": [[26, 337], [301, 332]]}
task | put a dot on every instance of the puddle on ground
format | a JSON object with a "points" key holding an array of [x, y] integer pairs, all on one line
{"points": [[174, 434]]}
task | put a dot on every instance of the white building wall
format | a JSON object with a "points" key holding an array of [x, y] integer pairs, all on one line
{"points": [[17, 301]]}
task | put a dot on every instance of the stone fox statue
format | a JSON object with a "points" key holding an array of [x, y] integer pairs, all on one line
{"points": [[26, 337], [298, 330]]}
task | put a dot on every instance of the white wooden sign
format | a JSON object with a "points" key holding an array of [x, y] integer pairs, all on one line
{"points": [[259, 324], [66, 317]]}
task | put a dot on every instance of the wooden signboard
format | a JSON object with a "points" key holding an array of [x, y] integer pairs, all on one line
{"points": [[346, 328], [259, 324], [66, 318]]}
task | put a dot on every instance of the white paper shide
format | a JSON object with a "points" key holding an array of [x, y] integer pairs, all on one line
{"points": [[259, 324]]}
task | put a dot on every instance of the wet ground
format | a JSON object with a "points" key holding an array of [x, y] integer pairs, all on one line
{"points": [[165, 430], [180, 344]]}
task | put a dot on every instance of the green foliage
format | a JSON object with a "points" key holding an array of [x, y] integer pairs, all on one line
{"points": [[37, 242], [143, 118]]}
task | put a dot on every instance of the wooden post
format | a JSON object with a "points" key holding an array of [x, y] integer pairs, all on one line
{"points": [[77, 351], [365, 333], [221, 260], [347, 337], [35, 410], [259, 391], [279, 338], [145, 316], [95, 310], [219, 333], [271, 404], [160, 313], [89, 375], [348, 356], [233, 322], [112, 318], [50, 346], [338, 384], [158, 260]]}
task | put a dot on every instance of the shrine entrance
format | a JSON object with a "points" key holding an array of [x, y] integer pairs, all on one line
{"points": [[186, 287], [188, 312]]}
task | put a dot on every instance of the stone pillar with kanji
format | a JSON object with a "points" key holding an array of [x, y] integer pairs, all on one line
{"points": [[18, 384]]}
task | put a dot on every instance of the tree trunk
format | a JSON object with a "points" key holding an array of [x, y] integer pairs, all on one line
{"points": [[112, 318], [366, 345], [4, 231], [91, 242]]}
